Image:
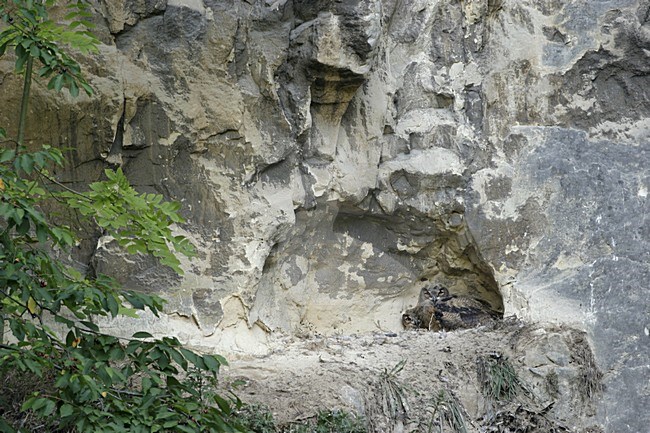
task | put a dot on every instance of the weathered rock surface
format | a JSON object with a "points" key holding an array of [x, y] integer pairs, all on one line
{"points": [[332, 157], [397, 382]]}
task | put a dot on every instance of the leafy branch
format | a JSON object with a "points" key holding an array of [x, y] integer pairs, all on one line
{"points": [[91, 381], [34, 36]]}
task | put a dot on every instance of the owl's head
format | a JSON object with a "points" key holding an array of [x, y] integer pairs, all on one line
{"points": [[441, 291], [410, 320]]}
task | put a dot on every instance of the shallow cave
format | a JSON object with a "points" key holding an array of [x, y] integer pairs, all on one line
{"points": [[440, 250], [343, 269]]}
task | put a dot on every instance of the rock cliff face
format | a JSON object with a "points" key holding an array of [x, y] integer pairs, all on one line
{"points": [[334, 156]]}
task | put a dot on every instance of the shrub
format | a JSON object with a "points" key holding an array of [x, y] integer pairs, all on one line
{"points": [[84, 379]]}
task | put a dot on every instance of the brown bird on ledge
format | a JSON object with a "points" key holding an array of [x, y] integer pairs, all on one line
{"points": [[428, 294], [421, 317], [459, 312]]}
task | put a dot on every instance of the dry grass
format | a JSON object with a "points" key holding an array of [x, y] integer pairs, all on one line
{"points": [[447, 412], [590, 378], [387, 407], [497, 378], [522, 420]]}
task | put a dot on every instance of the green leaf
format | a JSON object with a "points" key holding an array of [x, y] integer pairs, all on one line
{"points": [[177, 357], [6, 210], [34, 51], [116, 353], [32, 307], [128, 312], [142, 334], [33, 366], [42, 233], [134, 300], [20, 49], [44, 71], [66, 410], [211, 362], [7, 154], [28, 14], [194, 358], [169, 424], [56, 83], [189, 355], [172, 382], [46, 58], [62, 381], [28, 404], [17, 329], [163, 362], [50, 407], [223, 404], [74, 89], [26, 42], [19, 213], [26, 163], [62, 236], [39, 403], [86, 87], [221, 360], [6, 428], [70, 337], [21, 58], [111, 305], [71, 15], [90, 325], [60, 319], [23, 227]]}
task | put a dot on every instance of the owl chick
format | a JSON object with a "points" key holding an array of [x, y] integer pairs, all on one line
{"points": [[428, 295], [442, 296], [421, 317], [458, 312]]}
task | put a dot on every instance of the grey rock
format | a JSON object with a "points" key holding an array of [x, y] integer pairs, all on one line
{"points": [[332, 156]]}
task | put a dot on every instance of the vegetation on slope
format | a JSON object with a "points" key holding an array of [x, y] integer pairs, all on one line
{"points": [[59, 370]]}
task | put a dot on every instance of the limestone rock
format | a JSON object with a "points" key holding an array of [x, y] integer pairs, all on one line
{"points": [[331, 156]]}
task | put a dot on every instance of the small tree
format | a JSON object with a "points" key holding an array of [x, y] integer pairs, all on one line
{"points": [[98, 382]]}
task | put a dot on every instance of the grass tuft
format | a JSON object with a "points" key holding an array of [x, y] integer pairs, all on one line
{"points": [[497, 377], [335, 421], [257, 418], [394, 397], [447, 412], [590, 378]]}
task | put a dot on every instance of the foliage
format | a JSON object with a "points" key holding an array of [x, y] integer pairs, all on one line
{"points": [[335, 421], [259, 419], [393, 396], [521, 419], [447, 411], [256, 418], [497, 377], [33, 35], [91, 381], [387, 405], [16, 387], [139, 222]]}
